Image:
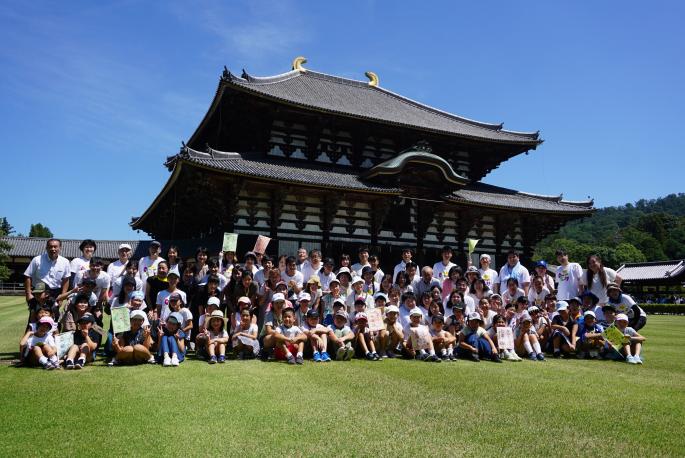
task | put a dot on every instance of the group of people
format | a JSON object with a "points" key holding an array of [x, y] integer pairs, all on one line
{"points": [[309, 306]]}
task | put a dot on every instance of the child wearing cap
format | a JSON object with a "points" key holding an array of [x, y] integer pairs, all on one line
{"points": [[243, 303], [313, 288], [390, 339], [443, 341], [133, 346], [289, 339], [272, 320], [31, 328], [357, 292], [303, 301], [172, 347], [341, 336], [590, 340], [632, 343], [364, 341], [490, 276], [39, 345], [244, 338], [379, 300], [541, 324], [86, 342], [317, 336], [475, 343], [637, 318], [162, 300], [326, 303], [526, 341], [609, 313], [217, 337], [412, 332], [177, 305], [564, 329]]}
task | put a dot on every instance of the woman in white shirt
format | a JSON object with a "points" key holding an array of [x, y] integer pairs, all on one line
{"points": [[597, 277]]}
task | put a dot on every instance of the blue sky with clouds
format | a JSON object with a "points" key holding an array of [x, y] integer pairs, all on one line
{"points": [[95, 95]]}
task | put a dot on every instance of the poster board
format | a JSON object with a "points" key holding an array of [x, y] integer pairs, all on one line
{"points": [[420, 338], [505, 338], [261, 244], [614, 336], [63, 342], [230, 242], [121, 320], [375, 320], [248, 342]]}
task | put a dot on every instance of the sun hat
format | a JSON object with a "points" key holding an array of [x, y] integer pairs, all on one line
{"points": [[278, 297], [244, 300], [314, 279], [217, 314], [124, 246], [304, 297], [214, 301], [415, 312], [343, 270], [533, 309], [485, 256], [138, 314], [46, 320], [356, 279], [590, 313], [391, 309]]}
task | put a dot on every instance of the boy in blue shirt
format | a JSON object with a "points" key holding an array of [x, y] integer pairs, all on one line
{"points": [[590, 340]]}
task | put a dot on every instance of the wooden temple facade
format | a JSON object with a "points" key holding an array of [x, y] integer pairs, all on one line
{"points": [[322, 161]]}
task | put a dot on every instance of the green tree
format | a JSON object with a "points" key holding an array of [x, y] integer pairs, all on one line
{"points": [[4, 248], [5, 227], [625, 253], [38, 230]]}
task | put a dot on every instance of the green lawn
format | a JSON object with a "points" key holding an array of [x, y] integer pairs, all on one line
{"points": [[555, 408]]}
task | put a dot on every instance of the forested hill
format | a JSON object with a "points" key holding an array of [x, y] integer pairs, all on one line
{"points": [[649, 230]]}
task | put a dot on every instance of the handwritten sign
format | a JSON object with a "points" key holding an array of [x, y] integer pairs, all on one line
{"points": [[260, 244], [230, 242], [248, 342], [375, 320], [614, 335], [505, 338], [64, 342], [420, 338], [121, 320]]}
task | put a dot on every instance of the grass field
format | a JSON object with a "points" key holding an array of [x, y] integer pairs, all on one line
{"points": [[555, 408]]}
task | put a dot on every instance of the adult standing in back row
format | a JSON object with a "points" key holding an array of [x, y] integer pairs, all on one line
{"points": [[569, 277], [147, 266], [514, 269], [597, 277], [49, 268]]}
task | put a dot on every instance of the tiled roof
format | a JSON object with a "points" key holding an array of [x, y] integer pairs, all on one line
{"points": [[106, 249], [358, 99], [478, 194], [652, 270]]}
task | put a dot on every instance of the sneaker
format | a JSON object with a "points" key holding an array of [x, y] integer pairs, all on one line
{"points": [[390, 354], [593, 355], [505, 356], [369, 356], [291, 359], [174, 360], [422, 356], [69, 364], [317, 357], [586, 355], [212, 360], [48, 366], [341, 353], [532, 357], [474, 357], [557, 354], [167, 361], [433, 359], [270, 356], [444, 357], [324, 357], [632, 360], [541, 357], [79, 363], [376, 356], [495, 358], [299, 359], [221, 359], [152, 360], [349, 353], [114, 362], [452, 357], [638, 359]]}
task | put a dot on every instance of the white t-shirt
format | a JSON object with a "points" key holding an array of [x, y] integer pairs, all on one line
{"points": [[508, 298], [404, 318], [163, 302], [116, 269], [358, 267], [349, 301], [469, 305], [569, 278], [298, 278], [252, 330], [290, 332], [148, 268], [401, 267], [536, 298], [187, 315], [441, 271], [79, 264], [308, 270], [326, 280], [490, 277], [260, 278], [223, 281], [597, 288], [520, 273], [101, 283], [52, 273]]}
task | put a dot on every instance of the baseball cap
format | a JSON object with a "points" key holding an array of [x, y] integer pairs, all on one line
{"points": [[245, 300], [39, 287], [613, 285], [380, 296], [576, 299], [368, 269], [281, 283], [472, 270], [360, 316], [304, 297], [173, 272], [87, 318], [214, 301], [533, 309], [475, 316], [137, 295], [359, 299], [356, 279], [590, 313], [541, 263], [392, 308], [438, 317], [485, 256], [175, 297], [124, 246], [335, 280], [619, 317], [340, 302], [525, 317], [278, 297], [415, 312], [138, 314], [312, 314], [46, 320], [606, 307], [341, 313], [459, 305], [562, 305], [175, 318]]}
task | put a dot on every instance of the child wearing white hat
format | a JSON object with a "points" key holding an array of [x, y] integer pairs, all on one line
{"points": [[632, 346]]}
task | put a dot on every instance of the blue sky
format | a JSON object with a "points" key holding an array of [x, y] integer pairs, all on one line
{"points": [[95, 95]]}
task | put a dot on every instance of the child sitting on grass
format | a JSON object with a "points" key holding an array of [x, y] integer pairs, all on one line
{"points": [[505, 353], [217, 337], [411, 338], [289, 339], [443, 341], [317, 336], [390, 339], [39, 345], [133, 346], [564, 330], [526, 340], [245, 344], [172, 347], [590, 340], [177, 305], [632, 346], [86, 342], [363, 338], [475, 343], [31, 328], [341, 336]]}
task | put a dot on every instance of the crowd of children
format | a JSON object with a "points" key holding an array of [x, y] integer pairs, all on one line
{"points": [[307, 307]]}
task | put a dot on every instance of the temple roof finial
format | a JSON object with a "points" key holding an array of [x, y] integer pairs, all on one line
{"points": [[373, 78], [297, 64]]}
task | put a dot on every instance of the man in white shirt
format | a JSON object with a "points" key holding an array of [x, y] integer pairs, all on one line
{"points": [[513, 268], [441, 269], [102, 280], [407, 254], [301, 258], [147, 267], [363, 261], [489, 276], [569, 277], [116, 269], [312, 266], [49, 268]]}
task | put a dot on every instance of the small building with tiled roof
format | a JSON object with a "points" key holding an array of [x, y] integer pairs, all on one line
{"points": [[329, 162], [661, 278]]}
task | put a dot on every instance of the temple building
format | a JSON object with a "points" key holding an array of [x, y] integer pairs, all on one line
{"points": [[322, 161]]}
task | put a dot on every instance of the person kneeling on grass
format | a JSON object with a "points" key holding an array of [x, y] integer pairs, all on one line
{"points": [[443, 341], [411, 337], [217, 337], [244, 338], [474, 341], [86, 343], [317, 336], [364, 338], [341, 336], [39, 345], [172, 348], [133, 346], [590, 340], [526, 340], [632, 346], [289, 339]]}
